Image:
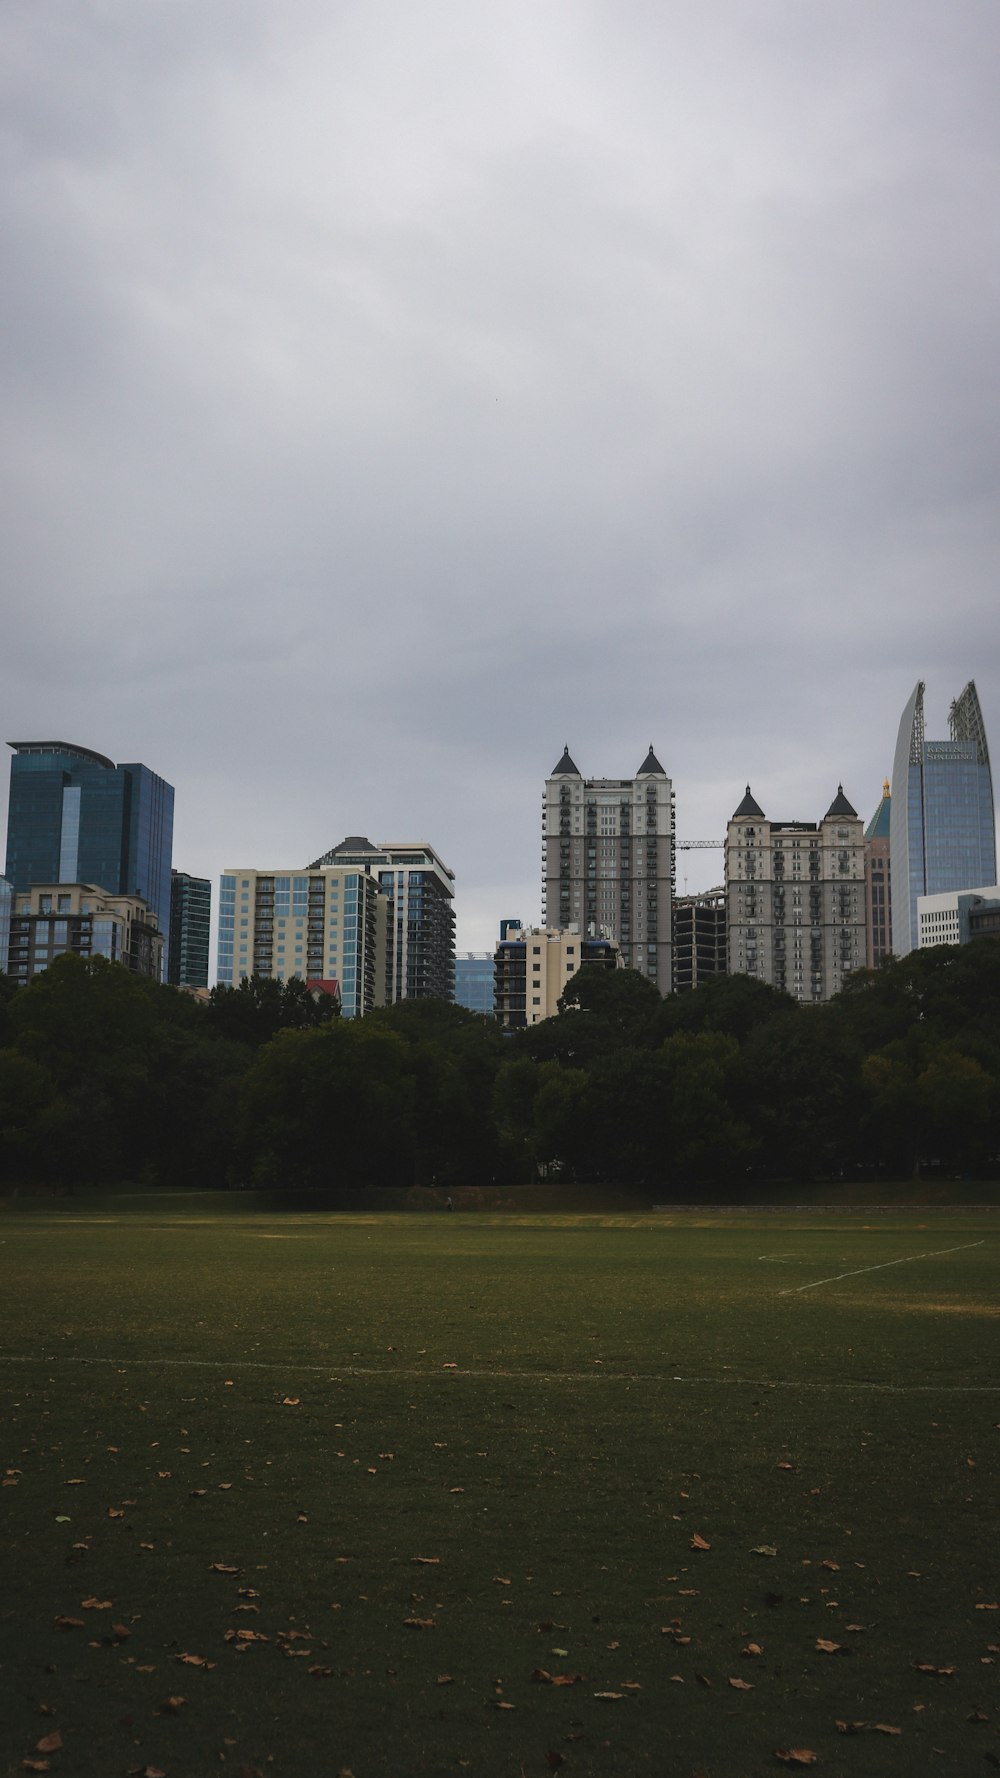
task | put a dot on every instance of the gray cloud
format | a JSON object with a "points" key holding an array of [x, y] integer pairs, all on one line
{"points": [[394, 394]]}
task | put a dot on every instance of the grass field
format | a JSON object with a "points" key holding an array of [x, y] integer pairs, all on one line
{"points": [[428, 1494]]}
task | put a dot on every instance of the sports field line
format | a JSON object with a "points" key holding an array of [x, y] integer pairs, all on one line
{"points": [[338, 1373], [907, 1259]]}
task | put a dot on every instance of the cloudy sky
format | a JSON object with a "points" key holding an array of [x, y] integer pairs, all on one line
{"points": [[396, 392]]}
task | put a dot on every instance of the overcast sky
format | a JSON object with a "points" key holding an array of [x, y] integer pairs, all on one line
{"points": [[394, 393]]}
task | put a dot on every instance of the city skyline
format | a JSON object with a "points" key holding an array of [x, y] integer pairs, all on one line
{"points": [[393, 396]]}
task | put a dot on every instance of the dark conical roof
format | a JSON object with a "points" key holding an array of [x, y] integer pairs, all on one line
{"points": [[650, 764], [749, 807], [566, 768], [841, 806]]}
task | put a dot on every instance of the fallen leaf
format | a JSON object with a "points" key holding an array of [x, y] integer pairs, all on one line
{"points": [[68, 1623], [763, 1549], [170, 1706], [194, 1661], [445, 1679], [502, 1580], [740, 1685], [462, 1491], [427, 1561], [115, 1512], [49, 1743], [850, 1728], [419, 1623], [224, 1487], [222, 1568], [700, 1543], [795, 1756], [501, 1704], [828, 1648], [121, 1632], [290, 1401], [834, 1567], [995, 1606], [196, 1493], [95, 1604], [608, 1694], [36, 1765], [752, 1648], [886, 1728], [784, 1466]]}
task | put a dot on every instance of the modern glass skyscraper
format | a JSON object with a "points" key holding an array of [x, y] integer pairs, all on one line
{"points": [[190, 918], [76, 817], [942, 826]]}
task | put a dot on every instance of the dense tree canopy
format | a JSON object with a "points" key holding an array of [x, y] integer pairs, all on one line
{"points": [[105, 1076]]}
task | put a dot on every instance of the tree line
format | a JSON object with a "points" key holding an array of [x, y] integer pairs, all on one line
{"points": [[106, 1077]]}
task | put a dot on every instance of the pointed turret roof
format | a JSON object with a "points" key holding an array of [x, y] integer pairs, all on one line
{"points": [[840, 806], [749, 807], [650, 764], [878, 826], [566, 768]]}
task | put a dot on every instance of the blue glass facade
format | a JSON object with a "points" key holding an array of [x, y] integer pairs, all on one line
{"points": [[76, 817], [942, 822], [474, 983]]}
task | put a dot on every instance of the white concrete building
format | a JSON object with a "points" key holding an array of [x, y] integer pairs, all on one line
{"points": [[944, 919]]}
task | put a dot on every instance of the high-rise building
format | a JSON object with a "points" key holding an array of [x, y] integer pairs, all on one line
{"points": [[700, 943], [76, 817], [190, 918], [326, 925], [878, 882], [942, 825], [796, 898], [53, 918], [608, 861], [422, 889], [474, 982], [533, 966]]}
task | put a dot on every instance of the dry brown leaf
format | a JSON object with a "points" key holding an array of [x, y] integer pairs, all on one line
{"points": [[886, 1728], [850, 1728], [502, 1580], [121, 1632], [501, 1704], [224, 1487], [462, 1491], [94, 1604], [445, 1679], [567, 1678], [994, 1606], [752, 1648], [827, 1647], [834, 1567], [427, 1561], [609, 1694], [222, 1568], [115, 1512], [68, 1623], [196, 1493], [700, 1543], [740, 1685], [170, 1706], [194, 1661], [49, 1743], [763, 1549], [419, 1623], [290, 1401], [784, 1466], [36, 1765], [795, 1756]]}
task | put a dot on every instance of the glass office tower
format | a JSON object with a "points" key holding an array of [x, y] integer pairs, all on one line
{"points": [[76, 817], [942, 825], [190, 919]]}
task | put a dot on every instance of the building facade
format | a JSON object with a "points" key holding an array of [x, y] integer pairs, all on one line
{"points": [[6, 896], [323, 925], [76, 817], [533, 966], [422, 890], [190, 920], [942, 824], [795, 898], [878, 882], [956, 916], [700, 938], [608, 861], [474, 982], [53, 918]]}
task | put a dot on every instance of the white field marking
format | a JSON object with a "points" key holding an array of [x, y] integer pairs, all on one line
{"points": [[907, 1259], [348, 1371]]}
